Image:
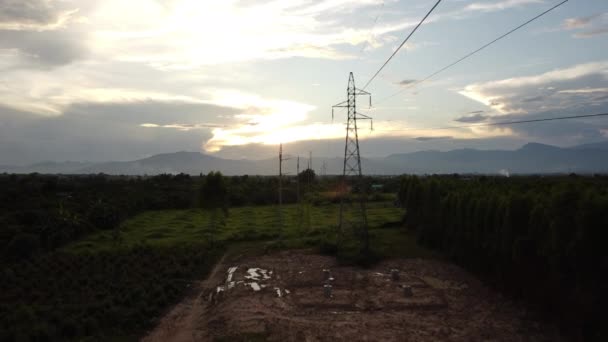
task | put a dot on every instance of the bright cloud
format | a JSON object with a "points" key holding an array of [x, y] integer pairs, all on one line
{"points": [[562, 88], [193, 33], [491, 6], [263, 122]]}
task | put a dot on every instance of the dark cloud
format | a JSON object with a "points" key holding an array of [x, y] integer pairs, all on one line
{"points": [[533, 99], [102, 132], [46, 48], [31, 14], [561, 132], [38, 30], [157, 112], [601, 98], [471, 118], [406, 82], [567, 90]]}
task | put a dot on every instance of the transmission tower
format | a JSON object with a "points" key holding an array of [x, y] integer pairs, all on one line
{"points": [[356, 219]]}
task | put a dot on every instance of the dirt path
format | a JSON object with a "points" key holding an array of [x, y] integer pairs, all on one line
{"points": [[180, 323], [281, 297]]}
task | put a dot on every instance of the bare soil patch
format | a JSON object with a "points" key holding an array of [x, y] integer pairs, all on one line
{"points": [[281, 297]]}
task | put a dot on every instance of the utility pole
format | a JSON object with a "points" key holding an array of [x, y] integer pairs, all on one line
{"points": [[281, 160], [281, 188], [309, 173], [310, 160], [298, 179], [352, 167], [280, 175]]}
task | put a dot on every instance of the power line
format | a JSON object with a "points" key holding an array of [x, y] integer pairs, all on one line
{"points": [[472, 53], [501, 123], [403, 43]]}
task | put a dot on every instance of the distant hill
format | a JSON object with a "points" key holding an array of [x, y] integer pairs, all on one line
{"points": [[531, 158], [595, 146]]}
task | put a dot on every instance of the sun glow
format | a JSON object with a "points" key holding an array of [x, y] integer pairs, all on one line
{"points": [[267, 122], [191, 33]]}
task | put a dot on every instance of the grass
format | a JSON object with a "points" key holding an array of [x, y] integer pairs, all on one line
{"points": [[302, 226], [124, 282]]}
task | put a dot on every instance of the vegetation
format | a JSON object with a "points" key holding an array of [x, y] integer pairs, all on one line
{"points": [[100, 258], [541, 239], [101, 294], [40, 213]]}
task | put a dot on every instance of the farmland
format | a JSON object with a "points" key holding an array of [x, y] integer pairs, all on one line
{"points": [[84, 260]]}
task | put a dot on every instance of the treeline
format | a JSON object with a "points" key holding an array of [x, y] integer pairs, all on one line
{"points": [[541, 239], [39, 213]]}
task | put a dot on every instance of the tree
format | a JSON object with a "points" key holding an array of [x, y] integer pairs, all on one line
{"points": [[307, 176], [214, 196], [214, 192]]}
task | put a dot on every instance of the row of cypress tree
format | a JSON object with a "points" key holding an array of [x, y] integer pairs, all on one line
{"points": [[540, 239]]}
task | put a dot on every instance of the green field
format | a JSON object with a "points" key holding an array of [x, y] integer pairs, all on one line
{"points": [[302, 226], [114, 284]]}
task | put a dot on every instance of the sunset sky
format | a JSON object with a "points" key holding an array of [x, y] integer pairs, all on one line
{"points": [[96, 80]]}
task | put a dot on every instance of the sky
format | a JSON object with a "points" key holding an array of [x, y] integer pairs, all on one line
{"points": [[98, 80]]}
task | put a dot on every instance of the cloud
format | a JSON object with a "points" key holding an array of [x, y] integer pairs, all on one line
{"points": [[34, 15], [574, 90], [433, 138], [492, 6], [406, 82], [108, 131], [533, 98], [562, 132], [596, 24], [265, 121], [584, 91], [471, 118], [33, 49], [529, 94], [174, 35], [592, 33], [182, 127], [580, 22]]}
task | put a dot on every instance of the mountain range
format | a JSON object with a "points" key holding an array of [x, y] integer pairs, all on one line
{"points": [[532, 158]]}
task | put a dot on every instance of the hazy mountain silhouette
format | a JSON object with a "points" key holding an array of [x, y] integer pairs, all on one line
{"points": [[531, 158], [599, 146]]}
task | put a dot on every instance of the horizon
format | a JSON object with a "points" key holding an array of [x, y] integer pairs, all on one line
{"points": [[83, 80], [303, 156]]}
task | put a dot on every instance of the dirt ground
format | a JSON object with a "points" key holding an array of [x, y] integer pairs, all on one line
{"points": [[283, 297]]}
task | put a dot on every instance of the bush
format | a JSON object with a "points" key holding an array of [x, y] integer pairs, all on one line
{"points": [[23, 246]]}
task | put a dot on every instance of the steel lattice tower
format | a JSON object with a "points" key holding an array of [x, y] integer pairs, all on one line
{"points": [[355, 216]]}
